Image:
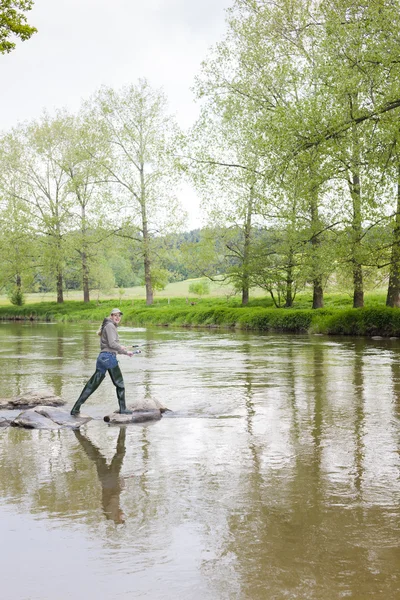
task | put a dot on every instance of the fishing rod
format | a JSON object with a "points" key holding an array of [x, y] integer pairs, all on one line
{"points": [[145, 344]]}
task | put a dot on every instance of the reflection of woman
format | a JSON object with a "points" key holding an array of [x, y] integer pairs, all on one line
{"points": [[109, 475]]}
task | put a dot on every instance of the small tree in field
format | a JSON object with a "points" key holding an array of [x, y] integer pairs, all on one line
{"points": [[200, 288]]}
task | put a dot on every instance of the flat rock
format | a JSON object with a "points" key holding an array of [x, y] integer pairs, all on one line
{"points": [[32, 399], [146, 404], [61, 417], [44, 417], [137, 416]]}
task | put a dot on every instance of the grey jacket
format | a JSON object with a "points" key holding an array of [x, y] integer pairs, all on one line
{"points": [[109, 340]]}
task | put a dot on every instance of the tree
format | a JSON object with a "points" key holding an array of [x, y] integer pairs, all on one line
{"points": [[225, 167], [43, 187], [138, 143], [200, 288], [18, 242], [74, 154], [314, 80], [13, 22]]}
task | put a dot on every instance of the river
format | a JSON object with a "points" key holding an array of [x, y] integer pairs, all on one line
{"points": [[276, 476]]}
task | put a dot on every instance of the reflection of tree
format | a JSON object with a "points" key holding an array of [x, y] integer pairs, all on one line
{"points": [[282, 521], [109, 475], [87, 342], [250, 414], [359, 420], [147, 381], [395, 367], [18, 377], [52, 370]]}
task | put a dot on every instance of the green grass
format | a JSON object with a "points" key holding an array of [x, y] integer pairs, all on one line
{"points": [[222, 310]]}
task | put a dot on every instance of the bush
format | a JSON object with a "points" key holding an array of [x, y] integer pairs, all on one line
{"points": [[200, 288], [17, 297]]}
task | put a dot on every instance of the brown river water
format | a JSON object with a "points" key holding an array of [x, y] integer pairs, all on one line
{"points": [[276, 476]]}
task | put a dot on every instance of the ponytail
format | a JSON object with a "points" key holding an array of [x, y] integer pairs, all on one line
{"points": [[100, 329]]}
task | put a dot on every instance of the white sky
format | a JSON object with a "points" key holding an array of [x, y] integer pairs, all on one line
{"points": [[83, 44]]}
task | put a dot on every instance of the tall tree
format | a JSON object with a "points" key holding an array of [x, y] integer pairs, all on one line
{"points": [[18, 242], [44, 189], [139, 140], [75, 151], [224, 166]]}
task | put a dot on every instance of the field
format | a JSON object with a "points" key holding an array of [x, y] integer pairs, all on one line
{"points": [[221, 308], [222, 293]]}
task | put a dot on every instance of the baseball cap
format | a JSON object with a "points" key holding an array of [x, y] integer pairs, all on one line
{"points": [[116, 311]]}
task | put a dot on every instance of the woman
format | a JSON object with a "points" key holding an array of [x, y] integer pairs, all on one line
{"points": [[107, 361]]}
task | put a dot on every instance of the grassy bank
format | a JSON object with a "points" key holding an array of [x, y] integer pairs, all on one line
{"points": [[213, 312]]}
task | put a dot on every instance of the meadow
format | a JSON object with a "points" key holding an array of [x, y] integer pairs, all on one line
{"points": [[220, 308]]}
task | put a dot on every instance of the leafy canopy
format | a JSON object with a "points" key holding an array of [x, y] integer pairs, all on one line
{"points": [[13, 23]]}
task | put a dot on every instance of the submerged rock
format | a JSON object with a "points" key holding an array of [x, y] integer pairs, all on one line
{"points": [[32, 399], [45, 417], [137, 416]]}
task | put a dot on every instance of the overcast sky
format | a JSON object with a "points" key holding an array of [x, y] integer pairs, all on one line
{"points": [[83, 44]]}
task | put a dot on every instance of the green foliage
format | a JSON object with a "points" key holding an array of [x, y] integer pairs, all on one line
{"points": [[16, 296], [159, 278], [369, 321], [200, 288], [362, 321], [13, 23]]}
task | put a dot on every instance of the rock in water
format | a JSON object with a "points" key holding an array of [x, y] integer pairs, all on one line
{"points": [[44, 417], [4, 422], [146, 404], [61, 417], [30, 419], [32, 399], [137, 416]]}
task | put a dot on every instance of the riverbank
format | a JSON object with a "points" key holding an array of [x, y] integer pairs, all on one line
{"points": [[369, 321]]}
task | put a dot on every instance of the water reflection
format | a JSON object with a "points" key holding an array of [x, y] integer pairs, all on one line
{"points": [[295, 497], [109, 474]]}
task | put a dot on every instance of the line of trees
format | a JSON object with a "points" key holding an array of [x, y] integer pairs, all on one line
{"points": [[296, 152], [75, 189], [295, 156]]}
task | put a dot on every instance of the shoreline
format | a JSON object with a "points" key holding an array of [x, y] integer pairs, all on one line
{"points": [[369, 321]]}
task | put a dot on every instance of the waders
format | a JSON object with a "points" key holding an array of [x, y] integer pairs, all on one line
{"points": [[93, 384]]}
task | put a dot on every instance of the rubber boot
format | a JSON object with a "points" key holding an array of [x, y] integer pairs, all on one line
{"points": [[118, 381], [88, 390]]}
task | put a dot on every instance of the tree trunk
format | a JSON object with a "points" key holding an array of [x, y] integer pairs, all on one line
{"points": [[393, 293], [60, 293], [147, 276], [84, 257], [146, 241], [245, 295], [246, 248], [318, 291], [355, 191], [289, 294], [289, 282], [85, 278], [358, 286]]}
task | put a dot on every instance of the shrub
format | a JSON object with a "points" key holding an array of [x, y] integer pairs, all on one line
{"points": [[200, 288], [17, 297]]}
